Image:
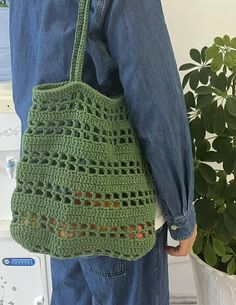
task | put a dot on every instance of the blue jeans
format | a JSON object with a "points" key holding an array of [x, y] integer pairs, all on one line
{"points": [[102, 280]]}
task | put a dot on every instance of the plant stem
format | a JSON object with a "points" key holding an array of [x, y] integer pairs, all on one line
{"points": [[234, 85]]}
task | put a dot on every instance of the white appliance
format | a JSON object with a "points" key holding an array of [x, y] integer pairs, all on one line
{"points": [[23, 275]]}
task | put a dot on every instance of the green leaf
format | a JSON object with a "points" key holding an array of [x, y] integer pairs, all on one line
{"points": [[229, 221], [203, 53], [223, 238], [219, 41], [203, 76], [204, 100], [209, 113], [230, 192], [210, 255], [219, 156], [205, 213], [231, 266], [189, 99], [211, 156], [217, 62], [216, 190], [200, 183], [211, 52], [219, 121], [221, 227], [220, 93], [207, 172], [209, 127], [197, 246], [187, 66], [221, 184], [226, 40], [231, 131], [233, 43], [230, 78], [209, 71], [186, 79], [202, 149], [231, 121], [230, 250], [195, 55], [197, 129], [219, 81], [226, 258], [231, 207], [219, 247], [230, 59], [230, 106], [203, 90], [222, 143], [229, 161], [222, 175], [194, 79]]}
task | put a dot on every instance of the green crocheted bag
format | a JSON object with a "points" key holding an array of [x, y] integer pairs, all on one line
{"points": [[83, 186]]}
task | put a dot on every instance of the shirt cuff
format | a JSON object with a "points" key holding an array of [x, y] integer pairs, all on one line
{"points": [[181, 227]]}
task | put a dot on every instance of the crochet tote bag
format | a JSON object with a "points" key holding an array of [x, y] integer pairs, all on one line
{"points": [[83, 186]]}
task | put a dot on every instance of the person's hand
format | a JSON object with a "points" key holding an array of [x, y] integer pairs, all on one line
{"points": [[184, 247]]}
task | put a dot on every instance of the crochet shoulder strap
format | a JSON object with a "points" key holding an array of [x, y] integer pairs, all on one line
{"points": [[80, 41]]}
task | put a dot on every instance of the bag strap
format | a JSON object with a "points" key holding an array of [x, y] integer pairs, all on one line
{"points": [[80, 41]]}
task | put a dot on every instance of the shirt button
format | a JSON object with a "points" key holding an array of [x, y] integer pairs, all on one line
{"points": [[174, 227]]}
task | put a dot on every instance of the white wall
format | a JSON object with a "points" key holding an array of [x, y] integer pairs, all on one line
{"points": [[195, 23]]}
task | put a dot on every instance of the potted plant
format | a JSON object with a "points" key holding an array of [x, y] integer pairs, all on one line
{"points": [[210, 99], [4, 3]]}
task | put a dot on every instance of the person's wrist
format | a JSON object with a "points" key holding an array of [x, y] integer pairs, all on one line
{"points": [[183, 227]]}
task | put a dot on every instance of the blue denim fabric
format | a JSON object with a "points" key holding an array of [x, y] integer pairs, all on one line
{"points": [[128, 49], [111, 281]]}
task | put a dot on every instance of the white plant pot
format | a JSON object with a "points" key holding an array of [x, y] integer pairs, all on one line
{"points": [[213, 287]]}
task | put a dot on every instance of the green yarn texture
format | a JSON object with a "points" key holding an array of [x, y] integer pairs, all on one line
{"points": [[83, 186]]}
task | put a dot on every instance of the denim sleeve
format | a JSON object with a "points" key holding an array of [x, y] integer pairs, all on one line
{"points": [[139, 44]]}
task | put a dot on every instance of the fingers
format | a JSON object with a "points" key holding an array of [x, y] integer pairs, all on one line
{"points": [[184, 247]]}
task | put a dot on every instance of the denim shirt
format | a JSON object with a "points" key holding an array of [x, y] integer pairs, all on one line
{"points": [[128, 50]]}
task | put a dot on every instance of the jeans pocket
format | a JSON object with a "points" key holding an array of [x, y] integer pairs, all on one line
{"points": [[104, 266]]}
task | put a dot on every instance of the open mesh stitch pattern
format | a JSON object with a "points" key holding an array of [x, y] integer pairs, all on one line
{"points": [[83, 186], [66, 191]]}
